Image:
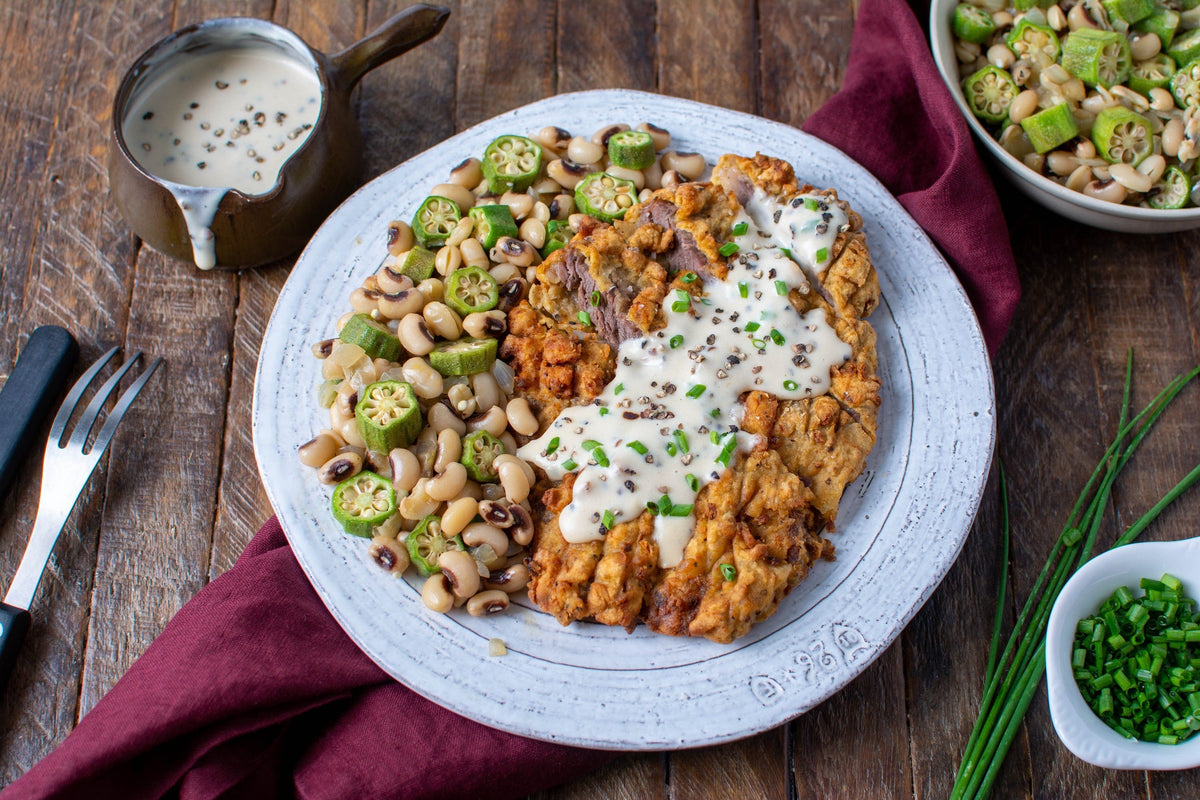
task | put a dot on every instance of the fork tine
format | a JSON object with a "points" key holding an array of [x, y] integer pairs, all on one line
{"points": [[88, 419], [59, 426], [114, 418]]}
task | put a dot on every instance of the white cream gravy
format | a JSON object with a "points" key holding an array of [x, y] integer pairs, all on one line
{"points": [[669, 421], [217, 120]]}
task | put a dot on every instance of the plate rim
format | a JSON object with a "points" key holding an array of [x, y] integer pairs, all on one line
{"points": [[973, 488]]}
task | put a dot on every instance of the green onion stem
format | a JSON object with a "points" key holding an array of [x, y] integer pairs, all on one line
{"points": [[998, 622]]}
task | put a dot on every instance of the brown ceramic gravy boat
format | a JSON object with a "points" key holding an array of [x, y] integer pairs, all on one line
{"points": [[248, 230]]}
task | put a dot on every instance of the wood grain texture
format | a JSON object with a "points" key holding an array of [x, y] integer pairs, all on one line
{"points": [[604, 45], [713, 62], [505, 57], [803, 54]]}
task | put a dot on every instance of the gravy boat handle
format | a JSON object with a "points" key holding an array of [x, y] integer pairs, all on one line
{"points": [[401, 33]]}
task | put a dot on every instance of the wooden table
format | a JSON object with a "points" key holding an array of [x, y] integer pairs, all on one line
{"points": [[180, 496]]}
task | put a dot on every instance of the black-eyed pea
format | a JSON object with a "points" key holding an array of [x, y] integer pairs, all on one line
{"points": [[1161, 99], [1144, 46], [485, 387], [1023, 105], [553, 138], [406, 469], [486, 323], [473, 490], [418, 504], [1001, 18], [533, 231], [462, 400], [478, 534], [399, 237], [511, 293], [339, 468], [512, 478], [442, 320], [515, 251], [1172, 137], [462, 572], [1153, 166], [319, 449], [510, 443], [494, 421], [521, 530], [349, 432], [504, 272], [436, 593], [389, 554], [448, 259], [492, 601], [1061, 163], [458, 515], [1129, 177], [448, 484], [495, 513], [364, 301], [577, 221], [661, 136], [425, 449], [1108, 190], [441, 417], [390, 528], [1056, 18], [541, 211], [492, 491], [653, 174], [635, 175], [689, 165], [520, 416], [1035, 161], [671, 179], [473, 254], [415, 335], [519, 203], [567, 173], [511, 579], [432, 288], [398, 305], [390, 279], [449, 450], [461, 195], [998, 55], [602, 135], [468, 174], [543, 187], [644, 195], [342, 320], [426, 381], [562, 206], [581, 151], [323, 348]]}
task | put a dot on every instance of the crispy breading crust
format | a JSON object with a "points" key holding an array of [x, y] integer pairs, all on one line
{"points": [[766, 513]]}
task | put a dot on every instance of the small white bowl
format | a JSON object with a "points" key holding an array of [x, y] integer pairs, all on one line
{"points": [[1057, 198], [1077, 725]]}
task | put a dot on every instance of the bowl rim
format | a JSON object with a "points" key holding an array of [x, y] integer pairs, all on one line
{"points": [[1077, 726], [939, 26]]}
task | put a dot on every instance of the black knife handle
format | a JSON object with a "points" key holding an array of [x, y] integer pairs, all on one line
{"points": [[31, 388], [14, 622]]}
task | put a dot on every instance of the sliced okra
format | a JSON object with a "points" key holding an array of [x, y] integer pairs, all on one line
{"points": [[511, 163], [1172, 190], [479, 452], [1185, 48], [1039, 43], [493, 222], [972, 23], [558, 233], [1098, 58], [1185, 86], [388, 415], [989, 93], [1122, 136], [363, 502], [418, 264], [1153, 73], [1050, 127], [427, 541], [375, 338], [605, 196], [1162, 22], [470, 290], [1129, 10], [631, 149], [465, 356], [1025, 5], [434, 221]]}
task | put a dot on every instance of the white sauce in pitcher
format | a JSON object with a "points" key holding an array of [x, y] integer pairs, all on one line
{"points": [[219, 120], [668, 423]]}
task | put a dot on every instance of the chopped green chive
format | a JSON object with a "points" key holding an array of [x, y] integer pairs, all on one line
{"points": [[693, 482], [664, 506], [608, 520], [671, 449], [676, 340], [689, 277], [680, 440], [780, 288], [652, 507], [777, 337], [714, 437], [716, 412], [743, 289], [680, 511], [550, 448], [751, 327], [741, 228], [728, 249], [727, 451], [696, 390], [822, 254], [593, 447], [584, 317], [620, 387], [729, 572], [595, 298], [810, 204], [761, 344], [569, 465], [604, 411], [791, 385], [682, 302], [638, 447], [786, 252]]}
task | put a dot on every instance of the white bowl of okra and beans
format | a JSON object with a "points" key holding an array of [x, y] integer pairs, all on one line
{"points": [[1090, 107]]}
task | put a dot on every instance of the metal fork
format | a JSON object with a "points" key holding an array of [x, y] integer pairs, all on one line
{"points": [[68, 464]]}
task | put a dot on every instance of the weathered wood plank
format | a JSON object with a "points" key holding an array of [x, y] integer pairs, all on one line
{"points": [[79, 270], [606, 45], [714, 62], [636, 776], [505, 57], [804, 49]]}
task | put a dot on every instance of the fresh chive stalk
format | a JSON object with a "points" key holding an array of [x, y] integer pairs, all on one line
{"points": [[1012, 679]]}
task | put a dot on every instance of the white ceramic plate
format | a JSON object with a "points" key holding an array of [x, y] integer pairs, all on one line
{"points": [[900, 525]]}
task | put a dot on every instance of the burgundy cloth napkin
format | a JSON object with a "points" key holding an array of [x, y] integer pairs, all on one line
{"points": [[253, 690], [895, 116]]}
